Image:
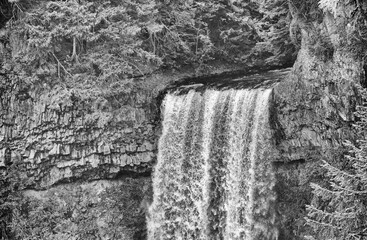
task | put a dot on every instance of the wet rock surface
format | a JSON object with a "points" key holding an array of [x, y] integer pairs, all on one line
{"points": [[74, 137], [251, 79], [78, 138], [314, 109], [316, 105]]}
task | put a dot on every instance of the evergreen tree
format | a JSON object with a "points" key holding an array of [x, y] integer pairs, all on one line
{"points": [[276, 28], [85, 42], [338, 210], [88, 43]]}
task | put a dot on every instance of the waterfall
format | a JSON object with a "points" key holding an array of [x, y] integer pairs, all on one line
{"points": [[214, 177]]}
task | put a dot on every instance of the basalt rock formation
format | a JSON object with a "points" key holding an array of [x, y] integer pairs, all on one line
{"points": [[77, 138], [115, 137], [311, 110]]}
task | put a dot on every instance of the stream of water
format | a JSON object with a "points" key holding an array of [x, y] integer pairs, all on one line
{"points": [[213, 178]]}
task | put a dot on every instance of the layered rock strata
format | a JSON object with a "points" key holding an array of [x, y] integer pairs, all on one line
{"points": [[73, 136]]}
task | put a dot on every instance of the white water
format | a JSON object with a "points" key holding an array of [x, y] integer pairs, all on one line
{"points": [[213, 179]]}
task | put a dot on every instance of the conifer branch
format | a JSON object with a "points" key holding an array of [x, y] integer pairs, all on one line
{"points": [[344, 197]]}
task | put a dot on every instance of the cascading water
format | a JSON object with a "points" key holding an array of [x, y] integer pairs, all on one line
{"points": [[213, 179]]}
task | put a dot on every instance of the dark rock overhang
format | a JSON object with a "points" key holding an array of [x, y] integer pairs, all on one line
{"points": [[256, 78], [240, 79]]}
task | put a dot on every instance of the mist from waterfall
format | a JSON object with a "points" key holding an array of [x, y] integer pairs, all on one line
{"points": [[213, 178]]}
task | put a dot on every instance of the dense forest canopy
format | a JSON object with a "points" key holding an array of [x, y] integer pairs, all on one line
{"points": [[89, 39], [102, 41], [94, 42]]}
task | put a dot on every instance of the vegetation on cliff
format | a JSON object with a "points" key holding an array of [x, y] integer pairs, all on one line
{"points": [[77, 51], [94, 42], [338, 209], [89, 48], [79, 211]]}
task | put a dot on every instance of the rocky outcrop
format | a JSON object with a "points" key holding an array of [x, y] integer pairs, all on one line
{"points": [[59, 134], [75, 136], [315, 108], [62, 135]]}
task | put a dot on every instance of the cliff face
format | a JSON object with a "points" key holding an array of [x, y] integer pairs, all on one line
{"points": [[63, 144], [75, 137], [315, 108], [315, 111], [99, 138], [316, 104]]}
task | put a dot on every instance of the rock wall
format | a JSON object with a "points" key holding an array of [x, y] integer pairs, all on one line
{"points": [[316, 105], [75, 137], [61, 135], [314, 112]]}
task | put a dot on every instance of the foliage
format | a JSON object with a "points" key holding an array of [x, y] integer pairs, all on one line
{"points": [[181, 36], [276, 28], [11, 182], [328, 25], [329, 5], [338, 210], [92, 42], [231, 28], [354, 18], [82, 41], [79, 212]]}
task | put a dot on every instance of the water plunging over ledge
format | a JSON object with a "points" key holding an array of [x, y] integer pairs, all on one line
{"points": [[214, 178]]}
